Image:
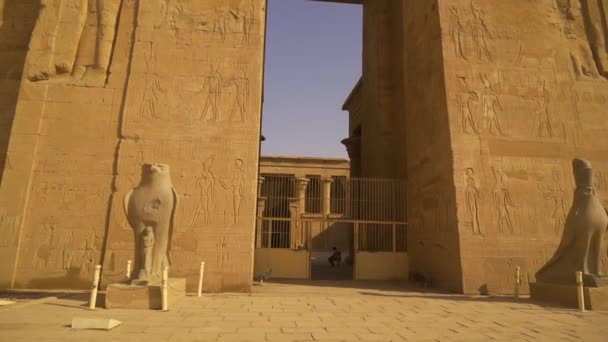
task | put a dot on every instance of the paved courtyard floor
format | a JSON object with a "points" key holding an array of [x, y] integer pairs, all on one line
{"points": [[301, 312]]}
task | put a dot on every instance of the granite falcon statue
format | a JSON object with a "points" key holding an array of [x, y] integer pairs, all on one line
{"points": [[152, 204], [581, 245]]}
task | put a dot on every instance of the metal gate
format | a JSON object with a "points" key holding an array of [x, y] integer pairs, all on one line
{"points": [[300, 220]]}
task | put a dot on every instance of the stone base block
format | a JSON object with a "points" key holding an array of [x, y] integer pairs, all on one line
{"points": [[596, 298], [123, 296], [95, 323]]}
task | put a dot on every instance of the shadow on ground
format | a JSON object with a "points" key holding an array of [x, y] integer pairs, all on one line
{"points": [[352, 284]]}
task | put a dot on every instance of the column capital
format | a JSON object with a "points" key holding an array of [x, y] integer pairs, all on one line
{"points": [[328, 180]]}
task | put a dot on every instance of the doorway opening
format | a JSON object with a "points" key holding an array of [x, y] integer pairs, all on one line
{"points": [[316, 219]]}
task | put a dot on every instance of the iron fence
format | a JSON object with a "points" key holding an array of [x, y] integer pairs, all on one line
{"points": [[376, 209]]}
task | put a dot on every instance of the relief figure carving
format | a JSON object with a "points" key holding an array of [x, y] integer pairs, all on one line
{"points": [[557, 196], [473, 197], [491, 109], [236, 185], [88, 254], [457, 33], [154, 94], [205, 189], [81, 43], [503, 203], [545, 127], [241, 85], [171, 10], [234, 20], [212, 89], [481, 34], [248, 22], [466, 101]]}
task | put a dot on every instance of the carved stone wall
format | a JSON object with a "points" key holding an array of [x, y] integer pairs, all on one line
{"points": [[433, 243], [170, 81], [193, 101], [17, 19], [527, 91]]}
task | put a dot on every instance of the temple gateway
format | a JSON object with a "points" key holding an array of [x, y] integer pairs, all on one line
{"points": [[463, 128]]}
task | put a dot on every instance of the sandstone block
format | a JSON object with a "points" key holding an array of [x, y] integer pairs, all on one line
{"points": [[123, 296]]}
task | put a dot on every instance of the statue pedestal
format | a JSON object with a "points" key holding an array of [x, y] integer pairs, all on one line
{"points": [[124, 296], [596, 298]]}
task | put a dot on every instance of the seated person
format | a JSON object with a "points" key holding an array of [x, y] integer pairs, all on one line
{"points": [[336, 257]]}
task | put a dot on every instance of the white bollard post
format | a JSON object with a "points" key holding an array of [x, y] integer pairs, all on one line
{"points": [[517, 281], [129, 263], [93, 299], [580, 290], [164, 294], [200, 279]]}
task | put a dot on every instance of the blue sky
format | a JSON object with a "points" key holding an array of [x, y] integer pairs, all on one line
{"points": [[313, 60]]}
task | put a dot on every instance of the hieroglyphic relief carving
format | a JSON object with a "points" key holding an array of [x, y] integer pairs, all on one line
{"points": [[248, 21], [557, 196], [233, 21], [601, 181], [62, 250], [235, 185], [236, 21], [457, 33], [67, 197], [88, 251], [586, 29], [491, 109], [471, 34], [10, 226], [466, 100], [545, 125], [241, 85], [81, 42], [473, 199], [205, 189], [212, 89], [171, 10], [213, 93], [42, 254], [503, 202], [481, 34], [153, 94]]}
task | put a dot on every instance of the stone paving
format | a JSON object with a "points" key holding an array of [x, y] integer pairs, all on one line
{"points": [[325, 312]]}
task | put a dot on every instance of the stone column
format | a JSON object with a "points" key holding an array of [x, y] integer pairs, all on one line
{"points": [[295, 226], [327, 196], [260, 183], [301, 185], [300, 203]]}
